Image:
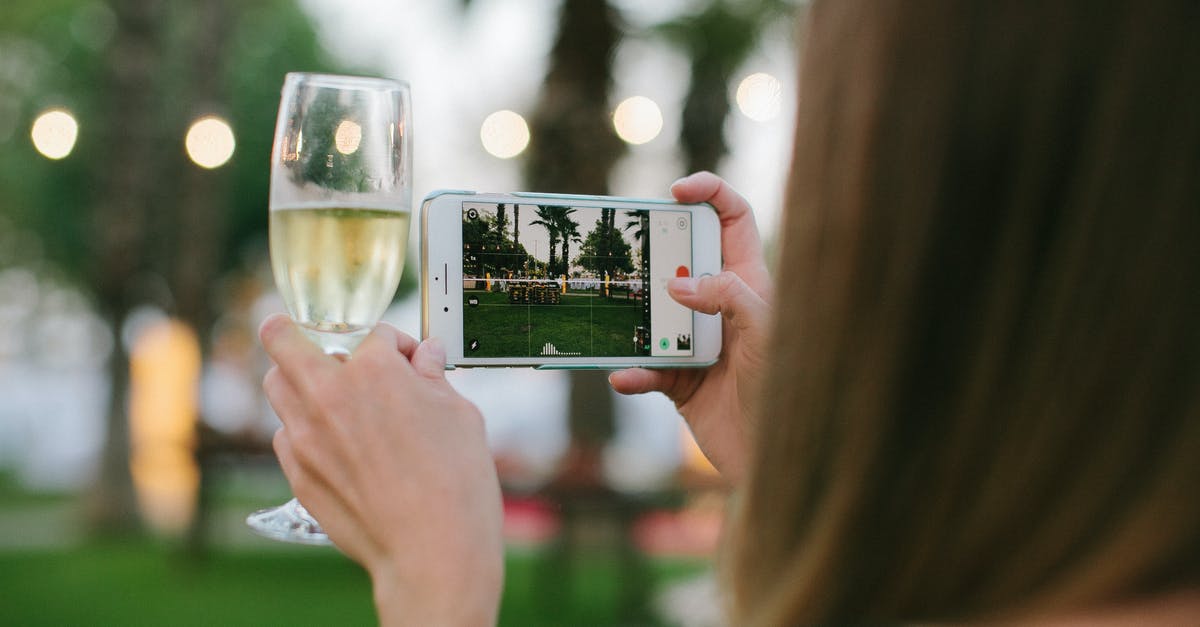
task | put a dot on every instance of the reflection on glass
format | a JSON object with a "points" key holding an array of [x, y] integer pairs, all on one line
{"points": [[347, 137]]}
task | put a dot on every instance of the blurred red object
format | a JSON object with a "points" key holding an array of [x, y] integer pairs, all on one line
{"points": [[529, 520]]}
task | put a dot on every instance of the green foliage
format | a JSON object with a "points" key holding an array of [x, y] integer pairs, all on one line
{"points": [[562, 229], [271, 38], [45, 61], [548, 219], [488, 249], [41, 62], [604, 250]]}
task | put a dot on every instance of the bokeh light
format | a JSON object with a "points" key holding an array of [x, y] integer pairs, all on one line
{"points": [[54, 133], [504, 134], [209, 142], [758, 97], [347, 137], [165, 366], [637, 120]]}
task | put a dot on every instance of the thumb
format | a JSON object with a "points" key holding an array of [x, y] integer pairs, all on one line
{"points": [[726, 294], [429, 360]]}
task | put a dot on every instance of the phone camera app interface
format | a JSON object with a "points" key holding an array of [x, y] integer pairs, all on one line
{"points": [[562, 281]]}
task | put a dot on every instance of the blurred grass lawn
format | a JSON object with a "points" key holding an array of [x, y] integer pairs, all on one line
{"points": [[146, 584]]}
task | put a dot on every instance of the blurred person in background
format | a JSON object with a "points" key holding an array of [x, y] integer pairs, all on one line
{"points": [[975, 395]]}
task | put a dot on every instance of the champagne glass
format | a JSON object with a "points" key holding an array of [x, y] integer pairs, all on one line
{"points": [[341, 198]]}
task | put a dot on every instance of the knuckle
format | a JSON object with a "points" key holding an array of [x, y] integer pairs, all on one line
{"points": [[368, 360], [279, 441], [271, 382], [327, 392], [303, 444], [728, 285]]}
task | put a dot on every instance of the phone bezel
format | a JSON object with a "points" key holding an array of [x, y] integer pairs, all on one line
{"points": [[442, 277]]}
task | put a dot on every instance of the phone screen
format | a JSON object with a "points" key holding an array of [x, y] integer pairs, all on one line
{"points": [[551, 281]]}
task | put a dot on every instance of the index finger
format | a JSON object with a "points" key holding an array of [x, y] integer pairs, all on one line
{"points": [[741, 247], [385, 337], [298, 359]]}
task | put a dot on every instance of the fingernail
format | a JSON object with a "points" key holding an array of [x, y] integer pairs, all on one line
{"points": [[271, 322], [684, 286], [680, 180]]}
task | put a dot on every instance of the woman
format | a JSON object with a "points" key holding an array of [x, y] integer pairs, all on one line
{"points": [[978, 395]]}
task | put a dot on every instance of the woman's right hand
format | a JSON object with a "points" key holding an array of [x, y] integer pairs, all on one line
{"points": [[719, 402]]}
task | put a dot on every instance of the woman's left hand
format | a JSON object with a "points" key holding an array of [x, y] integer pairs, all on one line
{"points": [[394, 464]]}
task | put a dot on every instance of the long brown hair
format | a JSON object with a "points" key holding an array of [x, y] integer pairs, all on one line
{"points": [[986, 392]]}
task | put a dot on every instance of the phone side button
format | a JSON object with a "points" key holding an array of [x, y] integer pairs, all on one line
{"points": [[569, 367]]}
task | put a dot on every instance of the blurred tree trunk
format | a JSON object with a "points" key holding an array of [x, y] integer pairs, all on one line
{"points": [[125, 185], [199, 225], [718, 40], [573, 149]]}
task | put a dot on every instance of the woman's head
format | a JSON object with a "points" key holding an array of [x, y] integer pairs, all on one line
{"points": [[987, 386]]}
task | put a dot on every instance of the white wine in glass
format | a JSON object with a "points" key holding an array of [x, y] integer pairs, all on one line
{"points": [[337, 267], [340, 206]]}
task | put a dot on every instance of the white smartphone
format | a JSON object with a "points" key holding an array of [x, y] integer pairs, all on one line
{"points": [[559, 281]]}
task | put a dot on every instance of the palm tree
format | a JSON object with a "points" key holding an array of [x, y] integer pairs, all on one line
{"points": [[642, 226], [605, 249], [127, 185], [573, 149], [501, 223], [568, 230], [717, 39], [516, 225], [610, 230], [640, 220], [547, 219]]}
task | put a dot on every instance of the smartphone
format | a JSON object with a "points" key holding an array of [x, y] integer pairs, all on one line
{"points": [[558, 281]]}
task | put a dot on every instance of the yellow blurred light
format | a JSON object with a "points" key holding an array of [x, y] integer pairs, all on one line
{"points": [[54, 133], [347, 137], [758, 97], [209, 142], [637, 120], [504, 134], [694, 458], [165, 376]]}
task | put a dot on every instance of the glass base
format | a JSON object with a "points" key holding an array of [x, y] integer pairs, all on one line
{"points": [[340, 343], [289, 522]]}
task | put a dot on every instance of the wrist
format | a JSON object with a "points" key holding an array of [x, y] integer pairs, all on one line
{"points": [[469, 600]]}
